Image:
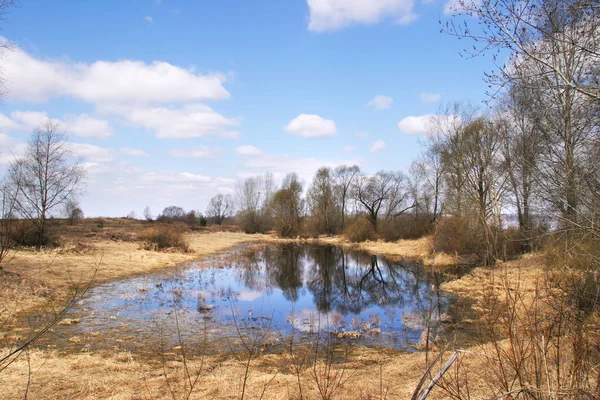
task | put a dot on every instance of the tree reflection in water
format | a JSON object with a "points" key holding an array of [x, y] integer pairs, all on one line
{"points": [[343, 281]]}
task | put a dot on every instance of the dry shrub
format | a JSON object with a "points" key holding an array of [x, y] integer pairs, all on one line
{"points": [[25, 233], [360, 230], [458, 235], [404, 227], [539, 339], [162, 237]]}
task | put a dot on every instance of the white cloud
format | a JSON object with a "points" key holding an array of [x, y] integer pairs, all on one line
{"points": [[29, 120], [377, 146], [331, 15], [381, 102], [149, 19], [430, 97], [196, 152], [311, 126], [248, 151], [457, 6], [133, 152], [37, 80], [348, 149], [174, 177], [85, 126], [10, 148], [81, 125], [90, 152], [190, 121], [416, 125], [362, 135], [6, 124]]}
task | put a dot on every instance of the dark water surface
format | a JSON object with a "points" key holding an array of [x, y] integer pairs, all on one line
{"points": [[268, 292]]}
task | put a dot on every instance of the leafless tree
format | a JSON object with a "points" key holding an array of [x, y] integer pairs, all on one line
{"points": [[72, 211], [428, 177], [325, 210], [535, 32], [6, 222], [220, 207], [147, 214], [45, 177], [522, 145], [344, 179], [254, 196], [383, 192], [287, 205]]}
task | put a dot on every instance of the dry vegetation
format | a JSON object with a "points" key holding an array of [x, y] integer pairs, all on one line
{"points": [[32, 278]]}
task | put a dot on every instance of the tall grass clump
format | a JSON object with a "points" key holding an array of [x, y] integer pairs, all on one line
{"points": [[164, 237]]}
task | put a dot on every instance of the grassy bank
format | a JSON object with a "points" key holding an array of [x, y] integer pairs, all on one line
{"points": [[33, 279]]}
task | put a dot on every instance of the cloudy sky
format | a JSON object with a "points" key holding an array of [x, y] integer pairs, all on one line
{"points": [[168, 102]]}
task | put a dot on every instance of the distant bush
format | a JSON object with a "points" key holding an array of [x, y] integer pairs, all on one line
{"points": [[360, 230], [459, 235], [24, 233], [251, 221], [404, 227], [161, 237]]}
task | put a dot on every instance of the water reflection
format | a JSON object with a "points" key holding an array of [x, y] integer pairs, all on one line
{"points": [[288, 287]]}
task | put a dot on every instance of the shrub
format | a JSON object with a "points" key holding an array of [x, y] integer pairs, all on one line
{"points": [[24, 233], [458, 235], [161, 237], [360, 230], [404, 227]]}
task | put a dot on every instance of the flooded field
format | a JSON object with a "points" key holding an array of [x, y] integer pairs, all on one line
{"points": [[267, 293]]}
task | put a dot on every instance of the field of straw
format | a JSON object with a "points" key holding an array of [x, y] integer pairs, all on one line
{"points": [[33, 279]]}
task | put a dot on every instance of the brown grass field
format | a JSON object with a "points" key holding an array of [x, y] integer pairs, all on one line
{"points": [[32, 279]]}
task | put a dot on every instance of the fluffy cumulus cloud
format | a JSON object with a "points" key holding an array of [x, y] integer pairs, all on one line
{"points": [[33, 79], [189, 121], [427, 97], [416, 125], [196, 152], [377, 146], [381, 102], [248, 151], [82, 125], [331, 15], [311, 126]]}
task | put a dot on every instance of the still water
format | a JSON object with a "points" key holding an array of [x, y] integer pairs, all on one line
{"points": [[270, 293]]}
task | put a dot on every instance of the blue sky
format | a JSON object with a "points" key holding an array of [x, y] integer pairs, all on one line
{"points": [[169, 102]]}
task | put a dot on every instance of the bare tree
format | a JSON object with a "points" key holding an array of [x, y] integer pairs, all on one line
{"points": [[45, 177], [344, 179], [254, 196], [72, 211], [535, 32], [6, 222], [287, 206], [148, 214], [220, 207], [325, 211], [384, 191]]}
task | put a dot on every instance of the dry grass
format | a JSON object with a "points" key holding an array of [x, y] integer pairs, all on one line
{"points": [[33, 277], [382, 374], [75, 264]]}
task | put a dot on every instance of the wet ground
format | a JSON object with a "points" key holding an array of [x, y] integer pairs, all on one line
{"points": [[264, 294]]}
